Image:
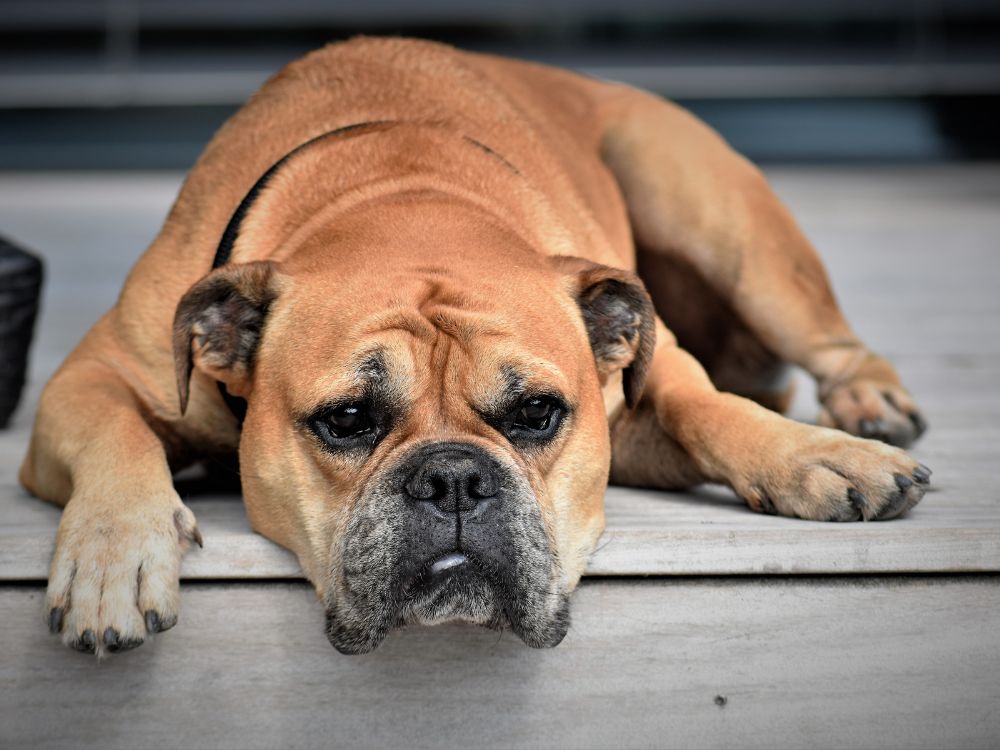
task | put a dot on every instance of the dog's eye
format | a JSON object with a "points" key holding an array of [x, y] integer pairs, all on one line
{"points": [[349, 420], [536, 414], [346, 425]]}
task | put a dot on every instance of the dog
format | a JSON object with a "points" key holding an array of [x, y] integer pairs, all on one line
{"points": [[435, 301]]}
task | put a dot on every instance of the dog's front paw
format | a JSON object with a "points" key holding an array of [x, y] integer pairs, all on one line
{"points": [[872, 404], [115, 573], [824, 475]]}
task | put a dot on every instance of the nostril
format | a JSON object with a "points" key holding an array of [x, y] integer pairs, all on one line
{"points": [[425, 485], [439, 489], [429, 485], [482, 487], [415, 489]]}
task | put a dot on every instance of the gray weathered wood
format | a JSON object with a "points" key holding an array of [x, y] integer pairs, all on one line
{"points": [[649, 533], [912, 252], [956, 528], [801, 663]]}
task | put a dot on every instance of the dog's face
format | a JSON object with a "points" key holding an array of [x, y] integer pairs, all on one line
{"points": [[425, 423]]}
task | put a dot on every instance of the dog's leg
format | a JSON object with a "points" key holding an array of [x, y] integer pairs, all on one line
{"points": [[684, 431], [692, 198], [706, 327], [114, 575]]}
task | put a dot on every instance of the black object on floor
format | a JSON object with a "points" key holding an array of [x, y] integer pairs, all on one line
{"points": [[20, 287]]}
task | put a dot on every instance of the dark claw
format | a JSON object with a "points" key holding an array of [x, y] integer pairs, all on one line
{"points": [[56, 620], [157, 624], [897, 500], [111, 640], [766, 504], [115, 643], [86, 643], [127, 644], [858, 501], [194, 535], [167, 624], [922, 474]]}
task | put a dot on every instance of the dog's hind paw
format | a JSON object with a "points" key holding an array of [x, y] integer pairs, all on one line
{"points": [[115, 574], [872, 404]]}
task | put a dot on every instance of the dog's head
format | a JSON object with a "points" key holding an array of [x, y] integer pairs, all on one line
{"points": [[425, 423]]}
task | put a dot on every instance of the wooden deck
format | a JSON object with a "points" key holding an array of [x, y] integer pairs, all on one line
{"points": [[750, 630]]}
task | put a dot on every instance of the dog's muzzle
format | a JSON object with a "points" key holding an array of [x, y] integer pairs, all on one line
{"points": [[449, 533]]}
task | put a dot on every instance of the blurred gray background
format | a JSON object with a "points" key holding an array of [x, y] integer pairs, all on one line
{"points": [[142, 84]]}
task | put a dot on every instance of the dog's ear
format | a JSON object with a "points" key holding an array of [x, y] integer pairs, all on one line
{"points": [[619, 318], [218, 324]]}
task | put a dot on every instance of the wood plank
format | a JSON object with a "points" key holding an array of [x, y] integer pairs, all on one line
{"points": [[800, 663], [956, 528], [912, 254], [647, 534]]}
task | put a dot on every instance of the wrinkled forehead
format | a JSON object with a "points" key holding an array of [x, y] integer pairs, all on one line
{"points": [[424, 330]]}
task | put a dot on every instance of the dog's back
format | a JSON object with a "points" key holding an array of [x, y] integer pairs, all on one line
{"points": [[542, 120]]}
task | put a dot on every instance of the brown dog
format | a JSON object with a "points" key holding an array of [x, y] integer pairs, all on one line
{"points": [[424, 335]]}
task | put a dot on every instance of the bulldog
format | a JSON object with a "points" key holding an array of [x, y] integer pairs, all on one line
{"points": [[435, 300]]}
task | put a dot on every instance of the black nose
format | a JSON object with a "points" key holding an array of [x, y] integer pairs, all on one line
{"points": [[454, 480]]}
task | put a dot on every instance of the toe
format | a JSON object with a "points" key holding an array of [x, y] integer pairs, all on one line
{"points": [[110, 639], [918, 422], [85, 643], [828, 495], [187, 527], [922, 474], [895, 505], [81, 619], [61, 575], [156, 623], [904, 420], [159, 592], [120, 616], [874, 411], [906, 491], [114, 642], [859, 502], [56, 615]]}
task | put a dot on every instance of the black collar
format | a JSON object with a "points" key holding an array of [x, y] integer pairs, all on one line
{"points": [[237, 405], [232, 231]]}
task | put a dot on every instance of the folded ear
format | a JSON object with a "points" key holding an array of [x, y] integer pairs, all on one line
{"points": [[218, 325], [619, 318]]}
